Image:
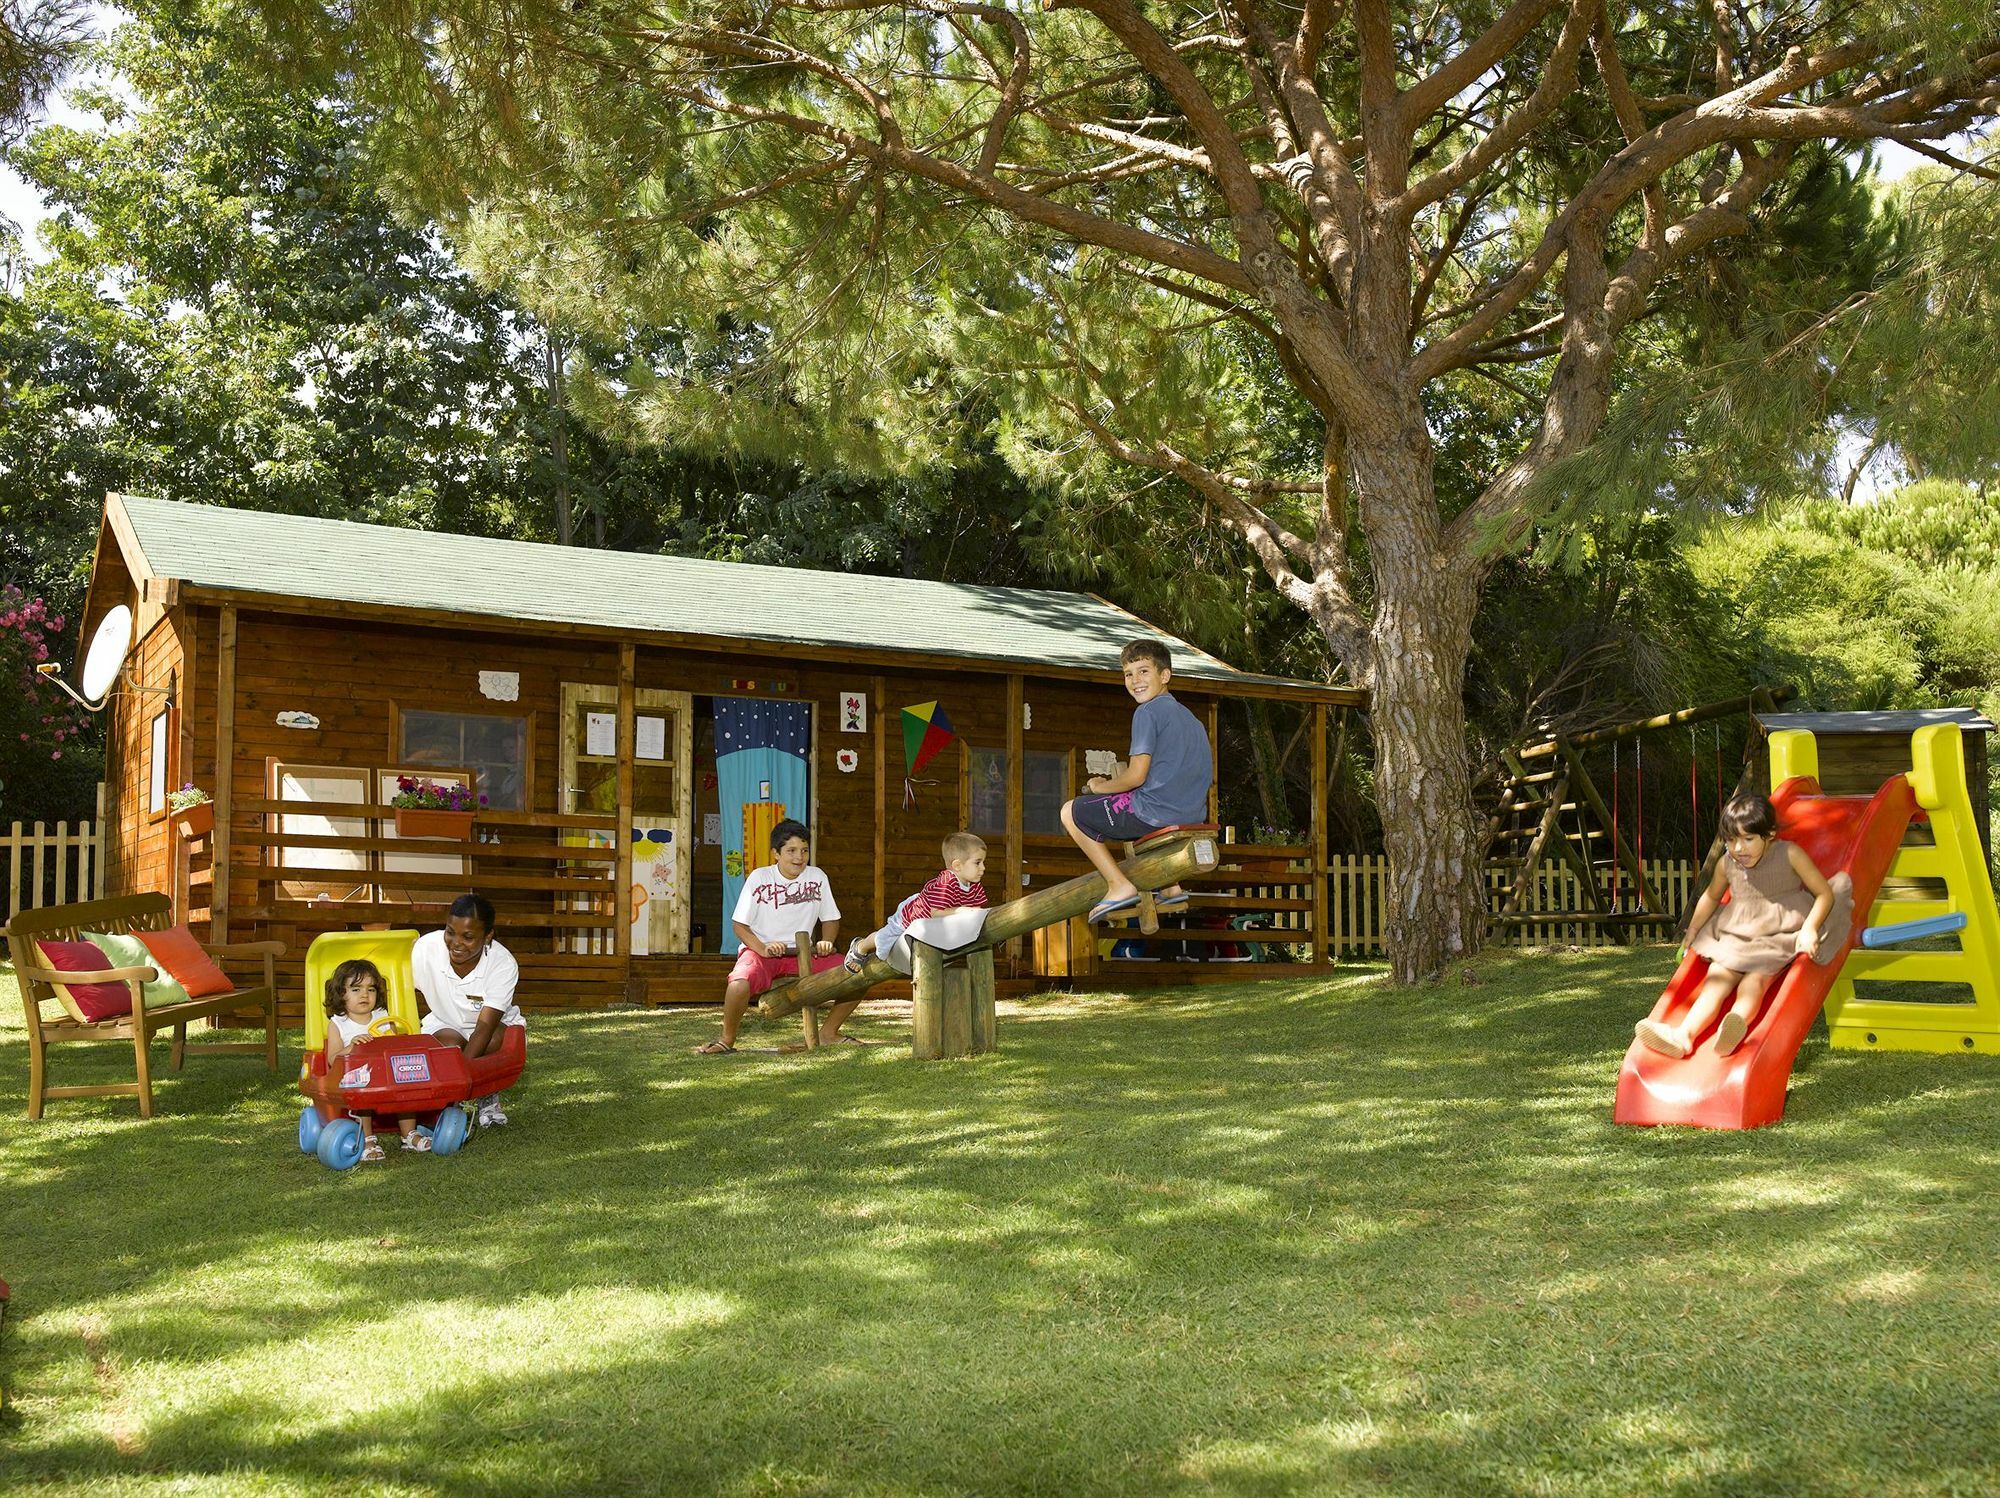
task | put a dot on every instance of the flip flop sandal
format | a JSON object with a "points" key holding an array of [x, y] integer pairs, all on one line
{"points": [[715, 1048], [1163, 902], [1105, 908], [854, 1040], [853, 961]]}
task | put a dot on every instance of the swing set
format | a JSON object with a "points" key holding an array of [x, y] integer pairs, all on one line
{"points": [[1548, 805]]}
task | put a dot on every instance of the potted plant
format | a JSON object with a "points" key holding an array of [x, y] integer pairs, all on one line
{"points": [[424, 808], [191, 811]]}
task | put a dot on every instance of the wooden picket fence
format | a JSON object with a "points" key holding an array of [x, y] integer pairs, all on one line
{"points": [[54, 865], [1358, 884]]}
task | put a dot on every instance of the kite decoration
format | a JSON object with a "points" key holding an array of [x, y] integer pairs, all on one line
{"points": [[926, 731]]}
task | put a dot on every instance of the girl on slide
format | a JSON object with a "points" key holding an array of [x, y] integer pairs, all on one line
{"points": [[1780, 906]]}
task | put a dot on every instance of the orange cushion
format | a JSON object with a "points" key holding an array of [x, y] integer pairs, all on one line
{"points": [[176, 950], [87, 1002]]}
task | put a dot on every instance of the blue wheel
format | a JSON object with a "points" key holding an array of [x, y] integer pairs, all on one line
{"points": [[448, 1133], [340, 1144], [309, 1127]]}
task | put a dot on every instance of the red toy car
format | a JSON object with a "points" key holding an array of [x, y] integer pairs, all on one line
{"points": [[400, 1076]]}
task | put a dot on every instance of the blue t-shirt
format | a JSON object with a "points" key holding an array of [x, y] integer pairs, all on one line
{"points": [[1177, 780]]}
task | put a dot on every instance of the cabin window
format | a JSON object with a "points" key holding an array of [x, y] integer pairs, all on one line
{"points": [[494, 746], [158, 771], [1044, 788]]}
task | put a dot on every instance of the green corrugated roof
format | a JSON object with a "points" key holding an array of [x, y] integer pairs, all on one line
{"points": [[344, 561]]}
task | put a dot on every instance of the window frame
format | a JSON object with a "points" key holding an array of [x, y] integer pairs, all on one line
{"points": [[398, 750]]}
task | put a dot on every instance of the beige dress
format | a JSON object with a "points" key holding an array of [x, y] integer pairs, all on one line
{"points": [[1755, 931]]}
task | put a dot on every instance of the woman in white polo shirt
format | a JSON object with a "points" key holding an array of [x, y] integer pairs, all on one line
{"points": [[468, 981]]}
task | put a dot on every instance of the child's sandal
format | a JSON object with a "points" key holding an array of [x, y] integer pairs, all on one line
{"points": [[1729, 1034], [418, 1141], [371, 1149]]}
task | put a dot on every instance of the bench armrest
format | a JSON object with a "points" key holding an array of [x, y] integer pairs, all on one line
{"points": [[246, 949], [109, 975]]}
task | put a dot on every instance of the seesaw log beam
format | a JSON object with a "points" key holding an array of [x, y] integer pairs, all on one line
{"points": [[1164, 863]]}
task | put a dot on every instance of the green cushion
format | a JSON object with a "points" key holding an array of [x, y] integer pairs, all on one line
{"points": [[129, 951]]}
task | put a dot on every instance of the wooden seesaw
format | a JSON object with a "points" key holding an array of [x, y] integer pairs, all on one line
{"points": [[953, 1013]]}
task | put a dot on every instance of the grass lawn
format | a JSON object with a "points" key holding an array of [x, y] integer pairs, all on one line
{"points": [[1261, 1239]]}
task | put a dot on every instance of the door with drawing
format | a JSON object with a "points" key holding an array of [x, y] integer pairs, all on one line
{"points": [[655, 843]]}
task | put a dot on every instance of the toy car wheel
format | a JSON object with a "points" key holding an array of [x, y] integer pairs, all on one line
{"points": [[309, 1129], [448, 1133], [340, 1144]]}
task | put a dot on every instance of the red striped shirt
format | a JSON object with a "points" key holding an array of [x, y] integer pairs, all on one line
{"points": [[941, 894]]}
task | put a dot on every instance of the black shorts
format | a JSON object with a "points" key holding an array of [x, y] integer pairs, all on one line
{"points": [[1109, 818]]}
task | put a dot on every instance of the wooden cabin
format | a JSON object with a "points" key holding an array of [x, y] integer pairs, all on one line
{"points": [[301, 666]]}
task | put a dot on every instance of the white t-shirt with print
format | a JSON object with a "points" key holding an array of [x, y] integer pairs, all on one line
{"points": [[778, 909], [455, 1001], [351, 1030]]}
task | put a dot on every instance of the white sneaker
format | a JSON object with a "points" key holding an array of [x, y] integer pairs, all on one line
{"points": [[489, 1111]]}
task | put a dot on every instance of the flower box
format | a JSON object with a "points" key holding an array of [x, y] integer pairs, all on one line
{"points": [[196, 821], [430, 821]]}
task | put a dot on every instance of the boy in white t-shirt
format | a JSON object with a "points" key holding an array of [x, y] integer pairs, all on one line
{"points": [[468, 981], [780, 900]]}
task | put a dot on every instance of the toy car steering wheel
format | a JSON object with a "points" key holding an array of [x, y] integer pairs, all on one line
{"points": [[386, 1025]]}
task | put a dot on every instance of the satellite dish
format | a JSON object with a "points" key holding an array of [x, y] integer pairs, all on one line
{"points": [[108, 647]]}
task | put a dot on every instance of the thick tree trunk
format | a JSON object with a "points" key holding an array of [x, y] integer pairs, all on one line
{"points": [[1420, 638]]}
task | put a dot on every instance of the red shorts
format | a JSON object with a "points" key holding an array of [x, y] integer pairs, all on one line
{"points": [[761, 972]]}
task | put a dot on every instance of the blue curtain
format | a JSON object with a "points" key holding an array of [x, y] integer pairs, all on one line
{"points": [[760, 755]]}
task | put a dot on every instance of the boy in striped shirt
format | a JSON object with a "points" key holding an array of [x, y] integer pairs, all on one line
{"points": [[956, 887]]}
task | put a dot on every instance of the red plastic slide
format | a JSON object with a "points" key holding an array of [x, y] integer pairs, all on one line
{"points": [[1857, 835]]}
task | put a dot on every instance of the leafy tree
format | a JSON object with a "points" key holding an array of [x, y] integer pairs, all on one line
{"points": [[1114, 220], [39, 39]]}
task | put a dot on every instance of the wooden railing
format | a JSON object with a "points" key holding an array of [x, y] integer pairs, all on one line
{"points": [[521, 862], [1272, 885], [54, 865]]}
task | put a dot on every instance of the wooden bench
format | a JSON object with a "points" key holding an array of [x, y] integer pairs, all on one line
{"points": [[123, 916]]}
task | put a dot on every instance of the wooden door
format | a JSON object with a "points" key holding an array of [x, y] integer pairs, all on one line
{"points": [[656, 849]]}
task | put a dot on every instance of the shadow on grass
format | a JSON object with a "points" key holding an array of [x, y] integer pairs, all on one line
{"points": [[1254, 1238]]}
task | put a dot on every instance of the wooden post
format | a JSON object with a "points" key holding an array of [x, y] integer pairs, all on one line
{"points": [[1214, 762], [927, 1002], [225, 777], [985, 1026], [621, 835], [1322, 925], [956, 1038], [802, 953], [1149, 910], [1016, 752], [881, 802]]}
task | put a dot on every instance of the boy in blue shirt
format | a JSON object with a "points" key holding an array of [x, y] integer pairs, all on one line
{"points": [[1164, 783]]}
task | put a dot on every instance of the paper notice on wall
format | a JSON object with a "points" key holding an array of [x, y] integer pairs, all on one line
{"points": [[652, 736], [711, 829], [600, 733], [500, 686]]}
